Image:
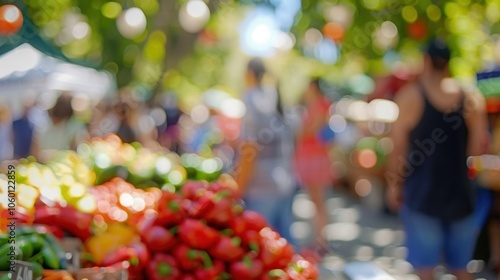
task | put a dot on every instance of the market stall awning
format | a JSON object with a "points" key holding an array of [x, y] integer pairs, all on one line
{"points": [[25, 69]]}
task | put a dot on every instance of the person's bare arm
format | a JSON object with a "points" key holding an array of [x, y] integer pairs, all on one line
{"points": [[246, 164], [477, 123], [409, 103]]}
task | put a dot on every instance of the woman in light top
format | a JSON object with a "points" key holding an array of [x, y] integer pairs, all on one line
{"points": [[63, 132]]}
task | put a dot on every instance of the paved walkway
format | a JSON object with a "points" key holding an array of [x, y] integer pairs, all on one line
{"points": [[360, 231]]}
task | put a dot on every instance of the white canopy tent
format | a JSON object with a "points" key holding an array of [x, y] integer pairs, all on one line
{"points": [[27, 71]]}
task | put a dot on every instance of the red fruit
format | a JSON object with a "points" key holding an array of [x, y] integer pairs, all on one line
{"points": [[212, 272], [275, 252], [254, 220], [144, 224], [237, 225], [301, 269], [275, 274], [217, 187], [246, 269], [187, 277], [227, 249], [193, 189], [74, 222], [159, 239], [251, 239], [169, 210], [222, 211], [163, 267], [188, 259], [118, 256], [198, 235]]}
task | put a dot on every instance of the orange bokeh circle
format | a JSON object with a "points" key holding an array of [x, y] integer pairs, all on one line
{"points": [[11, 19], [334, 31]]}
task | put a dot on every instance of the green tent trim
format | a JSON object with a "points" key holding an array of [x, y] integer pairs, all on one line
{"points": [[29, 33]]}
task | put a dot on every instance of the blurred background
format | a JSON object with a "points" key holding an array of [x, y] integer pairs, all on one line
{"points": [[169, 74]]}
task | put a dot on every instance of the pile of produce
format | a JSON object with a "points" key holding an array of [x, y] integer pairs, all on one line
{"points": [[200, 232], [34, 245], [110, 158], [155, 215]]}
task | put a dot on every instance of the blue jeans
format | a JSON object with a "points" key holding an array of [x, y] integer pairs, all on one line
{"points": [[429, 239], [278, 212]]}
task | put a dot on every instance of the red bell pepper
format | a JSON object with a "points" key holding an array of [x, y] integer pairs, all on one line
{"points": [[135, 254], [246, 269], [275, 274], [75, 222], [188, 277], [237, 225], [219, 186], [159, 239], [222, 209], [145, 223], [142, 254], [163, 267], [169, 209], [188, 259], [254, 220], [198, 235], [227, 249], [119, 255], [46, 215], [275, 251], [212, 271], [300, 269], [251, 239], [193, 189]]}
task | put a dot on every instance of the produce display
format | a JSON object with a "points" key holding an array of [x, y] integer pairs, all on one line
{"points": [[35, 245], [154, 215]]}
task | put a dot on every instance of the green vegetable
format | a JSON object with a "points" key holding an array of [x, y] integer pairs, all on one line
{"points": [[3, 239], [22, 231], [56, 246], [4, 257], [36, 241], [37, 270], [50, 259], [25, 248]]}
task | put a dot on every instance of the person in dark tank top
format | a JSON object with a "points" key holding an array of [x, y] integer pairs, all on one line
{"points": [[440, 125]]}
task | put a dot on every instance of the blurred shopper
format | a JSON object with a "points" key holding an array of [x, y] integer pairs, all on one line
{"points": [[22, 129], [440, 124], [312, 160], [169, 132], [123, 112], [264, 170], [64, 131], [6, 149]]}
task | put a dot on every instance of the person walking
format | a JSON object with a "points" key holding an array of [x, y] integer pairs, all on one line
{"points": [[440, 124], [264, 167], [312, 160], [64, 131]]}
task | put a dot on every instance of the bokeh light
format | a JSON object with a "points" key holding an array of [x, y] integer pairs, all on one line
{"points": [[363, 187], [194, 15], [131, 23], [383, 110], [337, 123], [334, 31], [409, 13], [259, 32], [367, 158], [111, 10]]}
